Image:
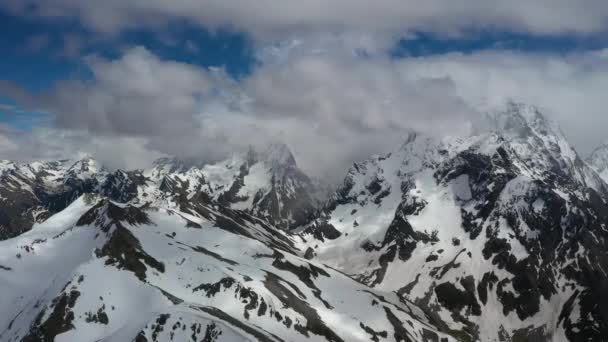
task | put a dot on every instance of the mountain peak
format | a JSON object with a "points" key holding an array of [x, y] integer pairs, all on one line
{"points": [[85, 164], [278, 154], [171, 164], [85, 168], [519, 119], [106, 213], [527, 111], [6, 165]]}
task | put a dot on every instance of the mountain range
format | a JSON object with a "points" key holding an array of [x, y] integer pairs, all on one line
{"points": [[500, 235]]}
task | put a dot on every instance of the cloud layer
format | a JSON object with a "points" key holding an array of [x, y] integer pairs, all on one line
{"points": [[267, 19], [323, 83], [331, 109]]}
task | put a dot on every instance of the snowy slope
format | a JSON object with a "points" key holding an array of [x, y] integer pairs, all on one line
{"points": [[31, 192], [267, 184], [105, 271], [497, 236]]}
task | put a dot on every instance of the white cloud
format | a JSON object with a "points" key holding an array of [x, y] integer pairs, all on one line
{"points": [[135, 94], [273, 19], [331, 108], [7, 146], [334, 110]]}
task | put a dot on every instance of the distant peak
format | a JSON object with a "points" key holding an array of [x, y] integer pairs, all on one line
{"points": [[106, 213], [512, 114], [86, 164], [278, 154], [172, 164], [410, 138], [87, 160], [520, 119], [526, 111]]}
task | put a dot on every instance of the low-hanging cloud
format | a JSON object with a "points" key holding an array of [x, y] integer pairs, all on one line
{"points": [[123, 91], [50, 143], [330, 108]]}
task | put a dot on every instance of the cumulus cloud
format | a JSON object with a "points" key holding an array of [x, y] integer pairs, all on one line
{"points": [[323, 82], [331, 108], [348, 108], [137, 94], [335, 109], [268, 19]]}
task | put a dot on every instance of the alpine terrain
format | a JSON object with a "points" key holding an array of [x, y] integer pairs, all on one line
{"points": [[501, 235]]}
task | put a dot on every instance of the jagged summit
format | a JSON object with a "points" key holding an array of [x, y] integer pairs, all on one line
{"points": [[538, 145], [278, 155], [517, 117], [266, 183], [176, 164], [274, 154], [85, 168], [486, 226]]}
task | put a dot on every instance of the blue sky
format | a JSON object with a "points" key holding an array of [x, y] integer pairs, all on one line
{"points": [[37, 67], [344, 70], [425, 44], [35, 56]]}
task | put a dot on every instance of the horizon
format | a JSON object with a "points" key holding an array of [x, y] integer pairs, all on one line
{"points": [[131, 84], [482, 127]]}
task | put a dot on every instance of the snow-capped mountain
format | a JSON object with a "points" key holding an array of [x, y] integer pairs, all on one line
{"points": [[267, 184], [497, 236], [500, 236], [204, 273], [31, 192]]}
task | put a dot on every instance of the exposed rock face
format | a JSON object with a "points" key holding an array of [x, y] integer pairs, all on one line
{"points": [[484, 233], [31, 192], [204, 273], [268, 185]]}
